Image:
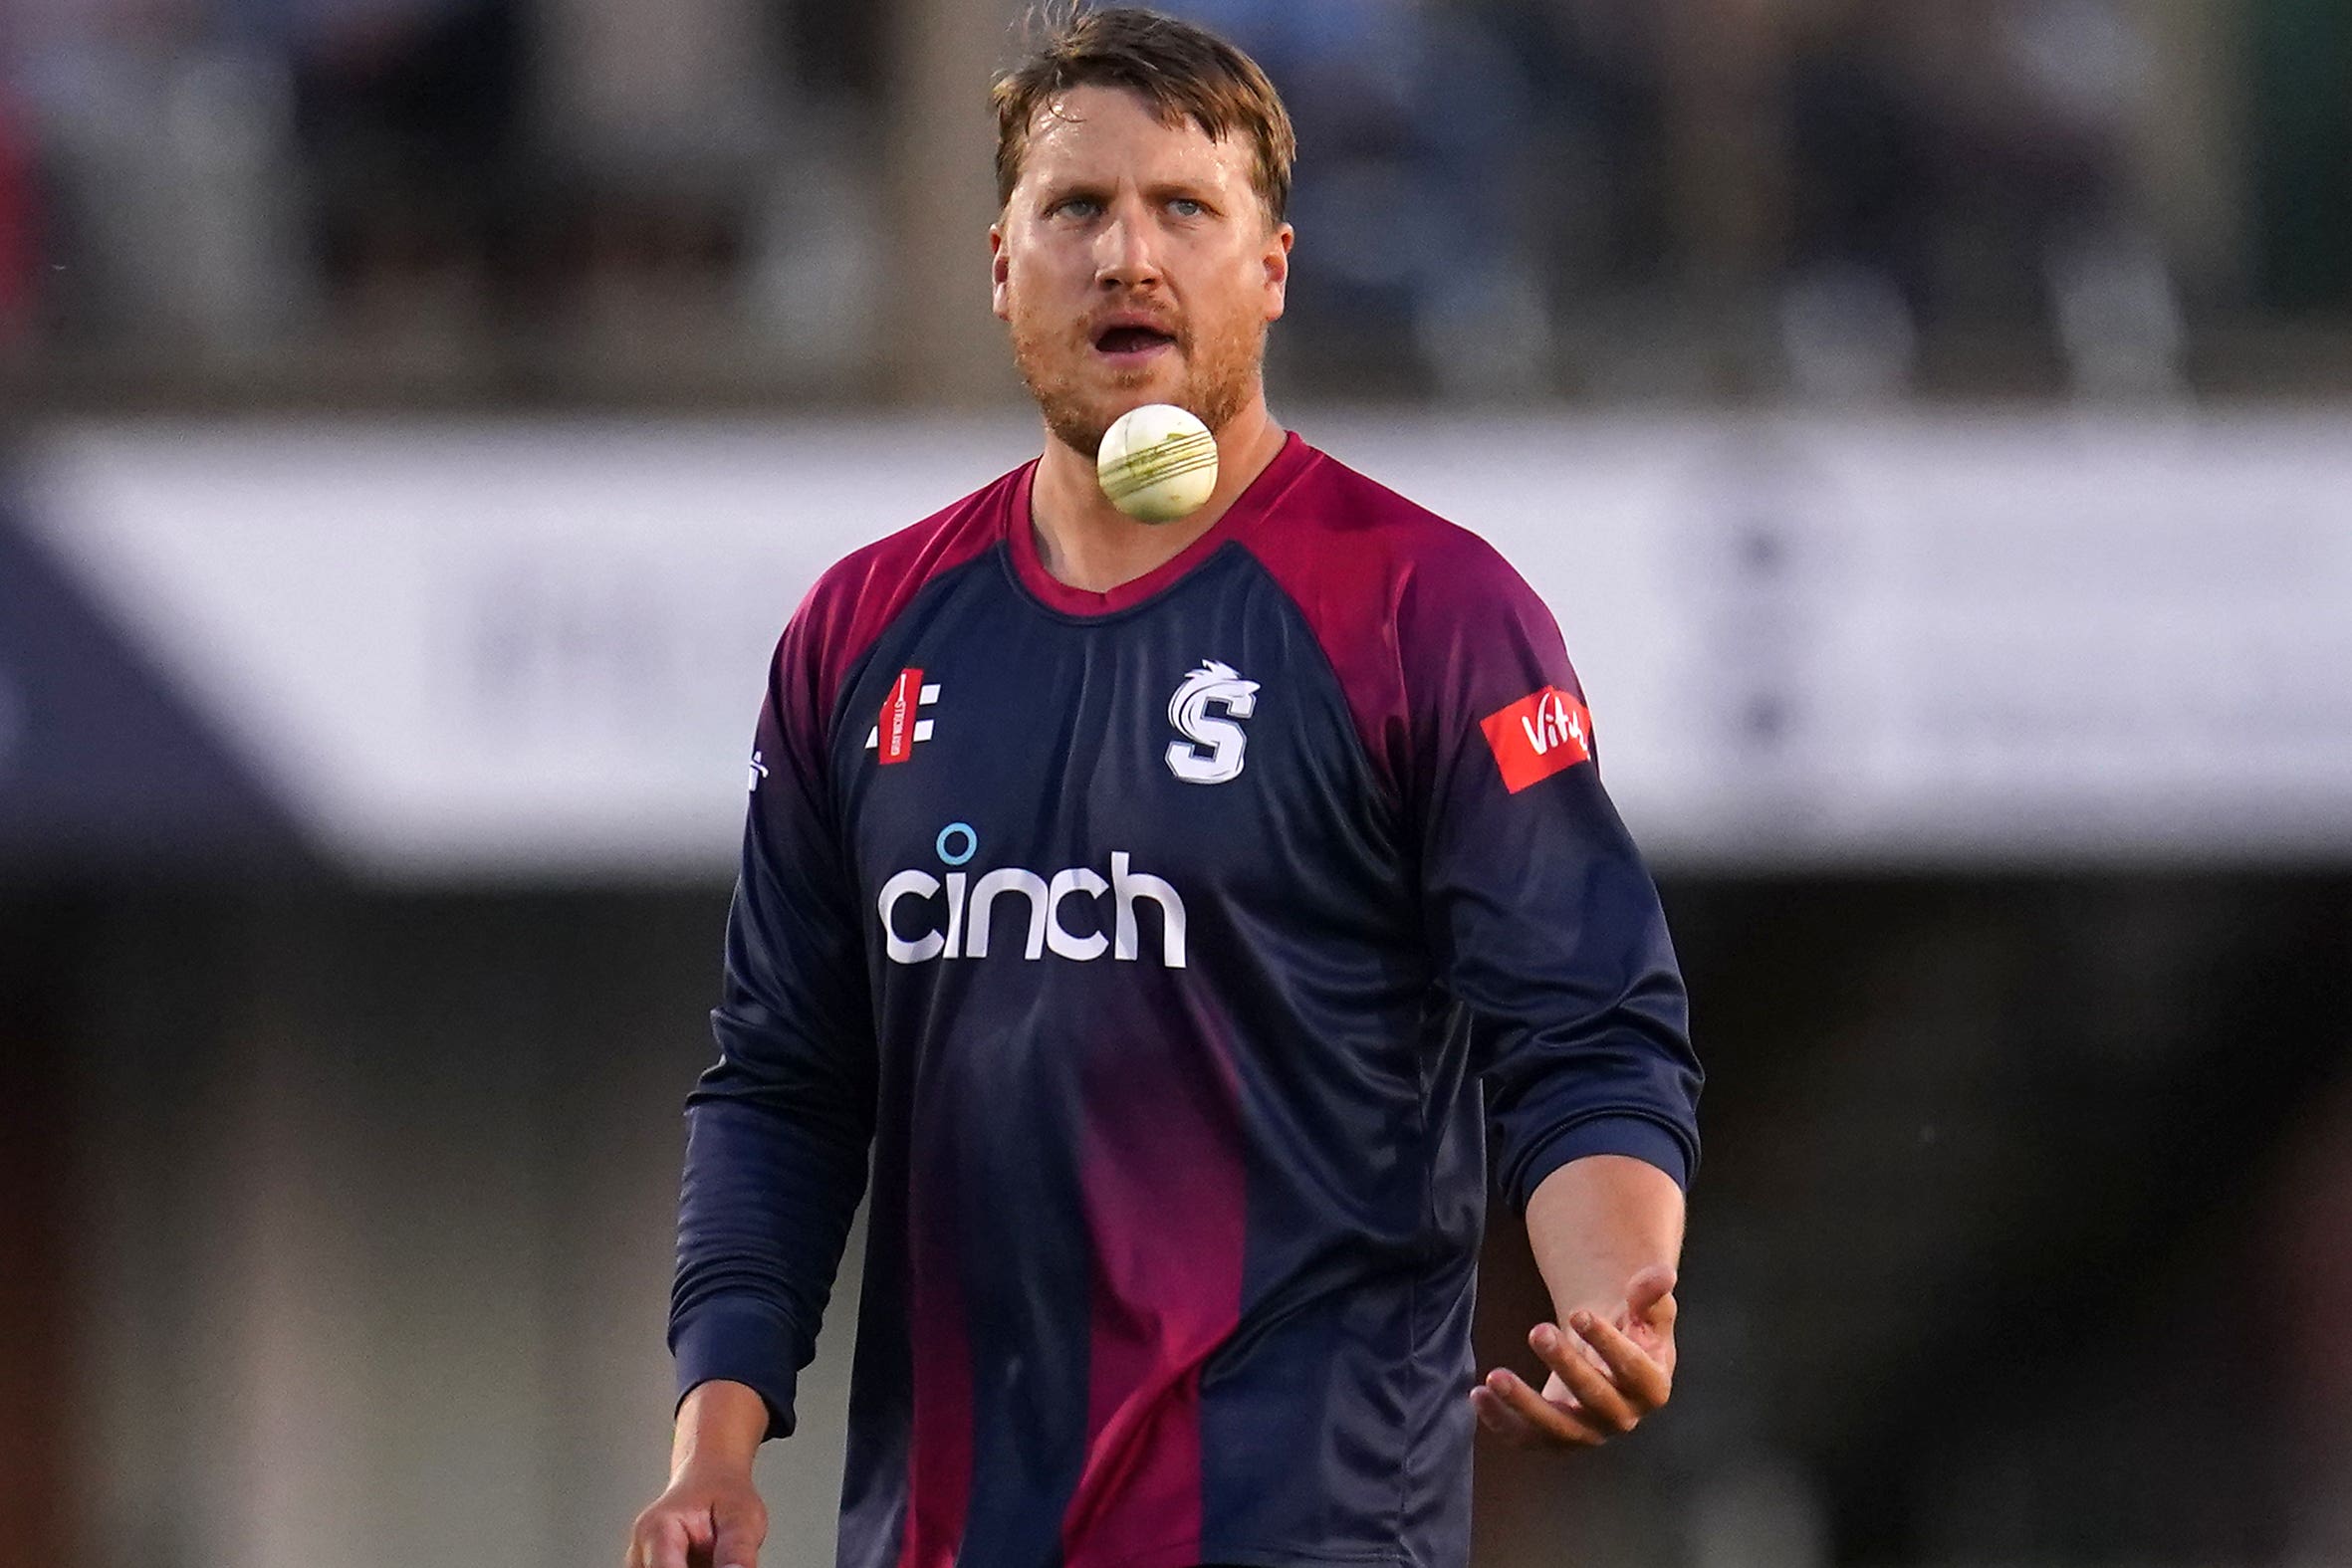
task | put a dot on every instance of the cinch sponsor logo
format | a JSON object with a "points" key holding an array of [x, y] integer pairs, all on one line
{"points": [[1543, 733], [1008, 904]]}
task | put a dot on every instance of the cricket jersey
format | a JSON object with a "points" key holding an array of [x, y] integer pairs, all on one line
{"points": [[1188, 961]]}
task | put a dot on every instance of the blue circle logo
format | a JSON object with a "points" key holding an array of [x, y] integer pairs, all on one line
{"points": [[955, 830]]}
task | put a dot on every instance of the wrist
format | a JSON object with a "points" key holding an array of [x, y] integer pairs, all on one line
{"points": [[719, 1429]]}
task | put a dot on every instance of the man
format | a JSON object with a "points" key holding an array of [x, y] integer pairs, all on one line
{"points": [[1178, 914]]}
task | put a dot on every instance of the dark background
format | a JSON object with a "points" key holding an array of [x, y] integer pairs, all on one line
{"points": [[2020, 1232]]}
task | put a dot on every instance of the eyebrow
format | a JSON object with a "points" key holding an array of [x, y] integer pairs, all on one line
{"points": [[1160, 190]]}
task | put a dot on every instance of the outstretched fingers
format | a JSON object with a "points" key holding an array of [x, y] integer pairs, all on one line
{"points": [[1604, 1403], [1633, 1372], [1507, 1407]]}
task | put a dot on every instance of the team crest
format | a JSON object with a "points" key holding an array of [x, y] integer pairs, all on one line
{"points": [[1204, 711]]}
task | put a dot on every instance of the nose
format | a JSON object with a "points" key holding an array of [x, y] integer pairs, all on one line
{"points": [[1125, 254]]}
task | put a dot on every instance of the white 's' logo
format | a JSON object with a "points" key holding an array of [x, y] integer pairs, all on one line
{"points": [[759, 770], [972, 904], [1211, 750]]}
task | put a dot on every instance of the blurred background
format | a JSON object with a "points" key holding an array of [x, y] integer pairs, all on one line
{"points": [[1932, 422]]}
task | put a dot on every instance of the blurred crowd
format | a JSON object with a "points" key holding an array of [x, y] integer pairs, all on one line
{"points": [[1829, 178], [396, 183], [1497, 198]]}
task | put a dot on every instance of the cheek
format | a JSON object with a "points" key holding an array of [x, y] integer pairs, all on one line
{"points": [[1038, 312], [1033, 279], [1243, 296]]}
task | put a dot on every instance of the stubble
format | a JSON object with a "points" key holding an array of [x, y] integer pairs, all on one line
{"points": [[1222, 368]]}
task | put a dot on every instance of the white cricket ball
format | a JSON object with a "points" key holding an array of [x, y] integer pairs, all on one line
{"points": [[1158, 463]]}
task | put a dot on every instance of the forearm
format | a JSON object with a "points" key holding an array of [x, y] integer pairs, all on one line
{"points": [[721, 1424], [1595, 1223], [765, 1207]]}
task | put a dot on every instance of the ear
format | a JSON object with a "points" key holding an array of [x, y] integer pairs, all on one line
{"points": [[999, 273], [1277, 260]]}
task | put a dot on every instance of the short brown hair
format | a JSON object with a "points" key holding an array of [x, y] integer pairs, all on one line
{"points": [[1184, 72]]}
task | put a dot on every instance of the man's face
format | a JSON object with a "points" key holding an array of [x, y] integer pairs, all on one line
{"points": [[1135, 264]]}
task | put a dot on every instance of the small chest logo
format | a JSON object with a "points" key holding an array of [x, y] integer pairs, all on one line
{"points": [[1211, 750], [899, 729], [1543, 733]]}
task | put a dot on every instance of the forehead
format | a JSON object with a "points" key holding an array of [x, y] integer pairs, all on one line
{"points": [[1101, 132]]}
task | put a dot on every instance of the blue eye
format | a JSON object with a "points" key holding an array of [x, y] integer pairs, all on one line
{"points": [[1186, 207]]}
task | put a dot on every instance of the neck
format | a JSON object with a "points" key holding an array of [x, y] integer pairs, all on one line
{"points": [[1091, 545]]}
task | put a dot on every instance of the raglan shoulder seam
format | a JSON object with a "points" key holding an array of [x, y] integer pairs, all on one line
{"points": [[1361, 563], [856, 601]]}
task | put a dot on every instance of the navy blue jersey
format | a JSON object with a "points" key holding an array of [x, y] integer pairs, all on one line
{"points": [[1189, 957]]}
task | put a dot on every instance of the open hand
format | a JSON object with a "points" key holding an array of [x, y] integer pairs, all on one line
{"points": [[1607, 1373]]}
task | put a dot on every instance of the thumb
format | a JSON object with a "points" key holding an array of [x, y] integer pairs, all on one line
{"points": [[737, 1544], [1648, 1295]]}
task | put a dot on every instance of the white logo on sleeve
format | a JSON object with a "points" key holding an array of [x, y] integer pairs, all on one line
{"points": [[1211, 750]]}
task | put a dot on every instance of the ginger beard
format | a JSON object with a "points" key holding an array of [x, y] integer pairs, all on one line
{"points": [[1080, 398]]}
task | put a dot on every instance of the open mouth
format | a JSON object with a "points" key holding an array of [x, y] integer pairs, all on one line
{"points": [[1132, 342]]}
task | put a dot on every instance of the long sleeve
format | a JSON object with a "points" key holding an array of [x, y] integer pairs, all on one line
{"points": [[1542, 919], [778, 1128]]}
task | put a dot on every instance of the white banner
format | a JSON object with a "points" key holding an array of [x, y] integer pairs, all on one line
{"points": [[530, 650]]}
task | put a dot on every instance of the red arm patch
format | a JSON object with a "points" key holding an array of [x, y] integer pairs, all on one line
{"points": [[1540, 734]]}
